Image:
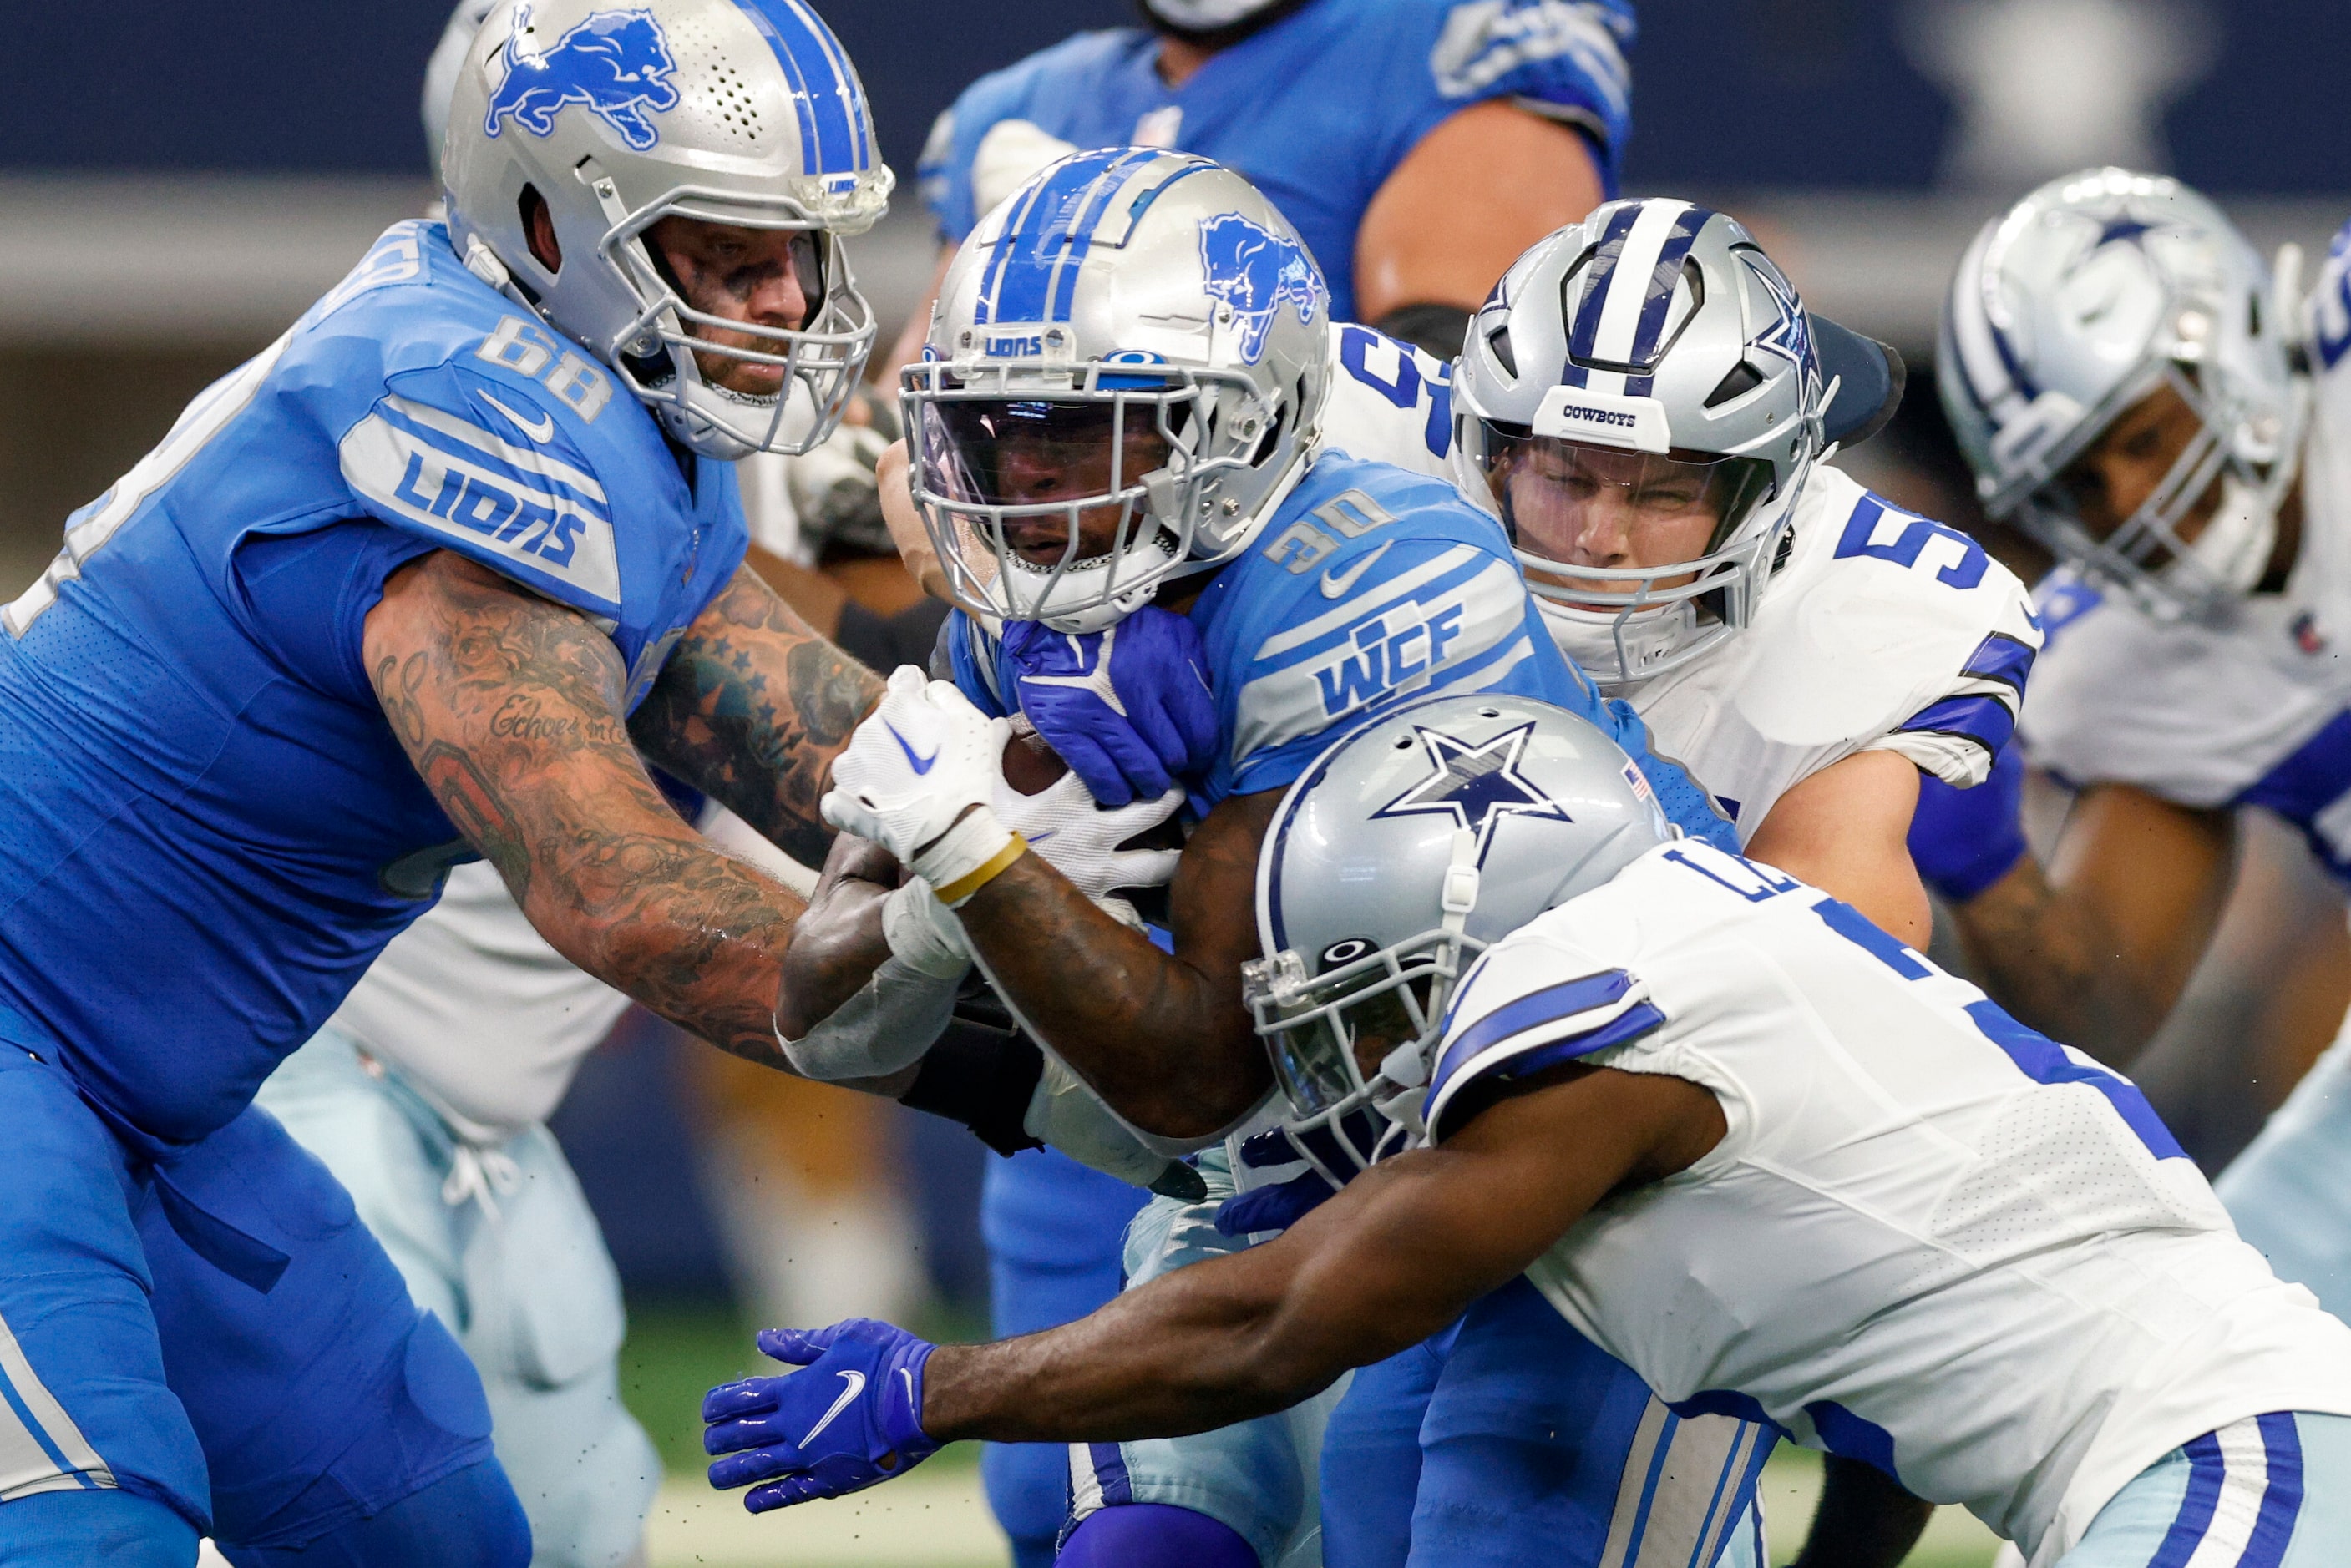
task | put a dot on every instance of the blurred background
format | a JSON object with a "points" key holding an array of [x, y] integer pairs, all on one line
{"points": [[177, 182]]}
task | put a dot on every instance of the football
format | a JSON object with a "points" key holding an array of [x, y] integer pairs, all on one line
{"points": [[1030, 766]]}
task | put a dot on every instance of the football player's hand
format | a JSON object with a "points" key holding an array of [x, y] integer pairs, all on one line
{"points": [[1331, 1163], [1964, 840], [851, 1419], [1128, 709], [915, 770], [1081, 839]]}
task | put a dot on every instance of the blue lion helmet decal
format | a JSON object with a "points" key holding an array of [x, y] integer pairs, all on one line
{"points": [[616, 64], [1256, 273]]}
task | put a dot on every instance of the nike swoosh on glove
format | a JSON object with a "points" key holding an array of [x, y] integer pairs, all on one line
{"points": [[922, 761], [851, 1418], [1129, 709]]}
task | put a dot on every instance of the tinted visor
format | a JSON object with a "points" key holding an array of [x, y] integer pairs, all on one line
{"points": [[1016, 452], [1569, 502]]}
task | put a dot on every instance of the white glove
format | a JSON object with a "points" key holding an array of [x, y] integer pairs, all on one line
{"points": [[914, 768], [1065, 1114], [1081, 839]]}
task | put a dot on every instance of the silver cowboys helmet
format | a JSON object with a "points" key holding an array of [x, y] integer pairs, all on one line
{"points": [[739, 112], [1401, 854], [2080, 301], [1652, 364], [1124, 376]]}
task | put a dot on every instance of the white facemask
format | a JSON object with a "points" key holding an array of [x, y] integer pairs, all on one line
{"points": [[1591, 638], [2234, 548], [1205, 16]]}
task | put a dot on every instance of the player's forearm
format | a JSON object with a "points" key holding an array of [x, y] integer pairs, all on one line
{"points": [[1165, 1045], [2050, 959], [751, 708]]}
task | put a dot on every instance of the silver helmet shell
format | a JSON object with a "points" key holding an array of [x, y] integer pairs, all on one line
{"points": [[739, 112], [1403, 853], [1160, 296], [1654, 327], [2080, 301]]}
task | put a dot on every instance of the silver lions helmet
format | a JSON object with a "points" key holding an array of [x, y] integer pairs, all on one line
{"points": [[1124, 375], [2091, 296], [743, 114], [1401, 854], [1641, 399]]}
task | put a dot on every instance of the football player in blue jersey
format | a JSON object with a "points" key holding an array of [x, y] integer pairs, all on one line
{"points": [[430, 578], [1119, 417], [1416, 145]]}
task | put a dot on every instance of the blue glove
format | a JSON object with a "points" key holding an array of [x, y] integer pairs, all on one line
{"points": [[1334, 1158], [853, 1418], [1128, 709], [1964, 840]]}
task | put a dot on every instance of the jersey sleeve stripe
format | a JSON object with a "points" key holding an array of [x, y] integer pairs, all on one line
{"points": [[2003, 658], [1432, 575], [1550, 1029], [1987, 720], [462, 438]]}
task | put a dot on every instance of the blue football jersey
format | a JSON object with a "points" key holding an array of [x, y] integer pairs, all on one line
{"points": [[207, 827], [1316, 110], [1370, 587]]}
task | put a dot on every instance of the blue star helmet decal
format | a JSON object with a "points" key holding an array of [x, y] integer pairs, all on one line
{"points": [[1477, 786], [1790, 337]]}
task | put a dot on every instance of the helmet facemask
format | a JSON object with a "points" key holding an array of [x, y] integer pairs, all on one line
{"points": [[1630, 623], [2239, 457], [819, 363], [1073, 503]]}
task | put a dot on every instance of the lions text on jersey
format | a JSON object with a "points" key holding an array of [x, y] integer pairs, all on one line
{"points": [[1880, 631], [1316, 110], [1930, 1239], [201, 788]]}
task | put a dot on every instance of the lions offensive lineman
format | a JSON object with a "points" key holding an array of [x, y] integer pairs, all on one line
{"points": [[1417, 145], [414, 584], [1070, 438], [1731, 1131], [2133, 387]]}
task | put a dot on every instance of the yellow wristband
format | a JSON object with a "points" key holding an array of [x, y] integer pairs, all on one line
{"points": [[964, 887]]}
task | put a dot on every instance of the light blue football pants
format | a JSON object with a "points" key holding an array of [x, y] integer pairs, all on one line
{"points": [[2270, 1491], [2290, 1191], [501, 1244]]}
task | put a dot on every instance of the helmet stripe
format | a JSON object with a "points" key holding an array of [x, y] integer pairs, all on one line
{"points": [[1033, 269], [836, 132], [1665, 277], [1631, 282], [1582, 343]]}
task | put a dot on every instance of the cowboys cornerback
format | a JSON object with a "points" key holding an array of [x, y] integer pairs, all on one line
{"points": [[1415, 145], [404, 587], [2137, 389], [1730, 1129]]}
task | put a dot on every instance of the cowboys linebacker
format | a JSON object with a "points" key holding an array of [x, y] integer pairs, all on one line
{"points": [[1722, 1124]]}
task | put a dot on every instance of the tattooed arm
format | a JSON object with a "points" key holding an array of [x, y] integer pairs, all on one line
{"points": [[751, 708], [1163, 1038], [510, 707]]}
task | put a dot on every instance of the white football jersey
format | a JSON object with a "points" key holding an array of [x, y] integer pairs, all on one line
{"points": [[1930, 1239], [2253, 712], [1389, 402], [1881, 631]]}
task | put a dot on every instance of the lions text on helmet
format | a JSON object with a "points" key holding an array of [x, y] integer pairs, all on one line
{"points": [[1641, 399], [1092, 420], [668, 184], [2118, 366]]}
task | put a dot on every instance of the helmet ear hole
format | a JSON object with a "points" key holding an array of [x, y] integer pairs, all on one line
{"points": [[538, 229], [1740, 379], [1497, 343]]}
